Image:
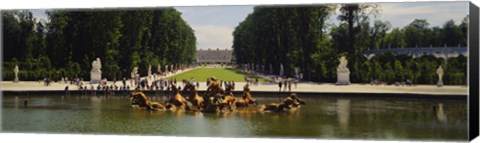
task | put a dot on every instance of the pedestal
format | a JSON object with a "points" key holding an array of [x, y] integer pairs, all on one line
{"points": [[343, 78], [440, 83], [15, 80], [95, 77]]}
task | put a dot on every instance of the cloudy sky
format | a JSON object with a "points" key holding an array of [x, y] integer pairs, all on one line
{"points": [[214, 25]]}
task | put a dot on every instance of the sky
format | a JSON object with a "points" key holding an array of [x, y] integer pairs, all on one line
{"points": [[214, 25]]}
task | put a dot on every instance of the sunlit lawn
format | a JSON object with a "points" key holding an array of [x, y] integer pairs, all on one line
{"points": [[225, 74]]}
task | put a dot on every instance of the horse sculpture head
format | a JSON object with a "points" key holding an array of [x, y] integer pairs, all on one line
{"points": [[138, 98], [294, 97]]}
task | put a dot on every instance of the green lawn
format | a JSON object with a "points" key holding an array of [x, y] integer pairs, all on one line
{"points": [[226, 74]]}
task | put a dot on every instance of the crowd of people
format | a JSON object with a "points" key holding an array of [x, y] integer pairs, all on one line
{"points": [[286, 84]]}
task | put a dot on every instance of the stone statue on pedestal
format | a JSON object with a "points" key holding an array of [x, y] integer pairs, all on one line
{"points": [[149, 72], [281, 70], [96, 73], [343, 73], [159, 69], [135, 72], [440, 76], [16, 70]]}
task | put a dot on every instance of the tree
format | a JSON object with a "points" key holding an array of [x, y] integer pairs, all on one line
{"points": [[452, 35], [353, 15], [10, 27], [74, 39], [415, 33]]}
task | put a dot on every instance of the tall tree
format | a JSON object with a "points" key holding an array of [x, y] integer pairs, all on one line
{"points": [[353, 15]]}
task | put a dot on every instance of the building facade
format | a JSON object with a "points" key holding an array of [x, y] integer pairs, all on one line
{"points": [[217, 56]]}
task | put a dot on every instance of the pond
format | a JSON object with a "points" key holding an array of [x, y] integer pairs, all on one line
{"points": [[323, 117]]}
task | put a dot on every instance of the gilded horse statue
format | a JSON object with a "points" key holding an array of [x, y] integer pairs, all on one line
{"points": [[139, 99], [247, 98], [214, 98], [193, 96], [176, 99], [213, 90], [228, 96], [289, 104]]}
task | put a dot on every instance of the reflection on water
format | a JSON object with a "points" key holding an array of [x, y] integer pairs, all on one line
{"points": [[343, 112], [96, 104], [442, 117], [16, 102], [321, 117]]}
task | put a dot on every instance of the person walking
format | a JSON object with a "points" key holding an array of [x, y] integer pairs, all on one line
{"points": [[280, 86]]}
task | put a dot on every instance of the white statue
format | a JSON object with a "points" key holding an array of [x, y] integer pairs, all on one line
{"points": [[16, 70], [96, 65], [281, 70], [159, 69], [343, 73], [96, 73], [297, 72], [440, 76], [343, 65], [135, 71], [149, 72]]}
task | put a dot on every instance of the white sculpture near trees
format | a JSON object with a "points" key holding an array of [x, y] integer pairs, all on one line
{"points": [[96, 72], [149, 72], [440, 76], [281, 70], [343, 73], [135, 72], [16, 70]]}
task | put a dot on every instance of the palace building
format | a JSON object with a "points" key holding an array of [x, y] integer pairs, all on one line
{"points": [[214, 56]]}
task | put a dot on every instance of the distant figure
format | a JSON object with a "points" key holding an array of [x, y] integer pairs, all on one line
{"points": [[198, 84], [15, 71], [285, 85], [66, 90], [280, 86]]}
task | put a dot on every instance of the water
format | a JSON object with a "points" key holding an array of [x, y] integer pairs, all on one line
{"points": [[323, 117]]}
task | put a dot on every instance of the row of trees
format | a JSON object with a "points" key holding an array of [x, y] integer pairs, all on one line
{"points": [[69, 41], [302, 37]]}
